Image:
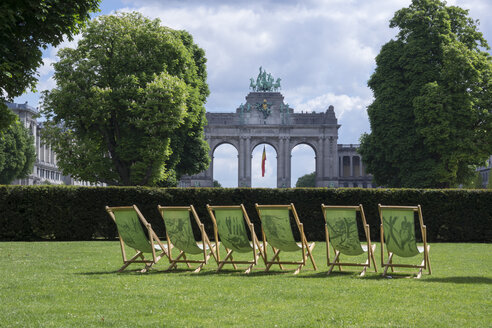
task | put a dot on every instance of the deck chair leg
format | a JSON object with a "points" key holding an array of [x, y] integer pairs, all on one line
{"points": [[199, 268], [310, 250], [373, 247], [248, 270], [386, 266], [204, 262], [363, 272], [391, 261], [428, 259], [335, 260], [272, 261], [419, 274], [221, 265], [298, 269], [130, 261], [174, 264]]}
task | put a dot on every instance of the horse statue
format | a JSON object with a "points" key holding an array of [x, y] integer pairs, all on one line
{"points": [[276, 85], [252, 84]]}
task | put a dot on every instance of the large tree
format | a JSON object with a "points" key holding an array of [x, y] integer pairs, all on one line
{"points": [[25, 27], [307, 180], [128, 108], [17, 153], [431, 119]]}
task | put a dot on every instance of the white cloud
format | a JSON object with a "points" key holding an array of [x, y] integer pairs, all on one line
{"points": [[323, 50]]}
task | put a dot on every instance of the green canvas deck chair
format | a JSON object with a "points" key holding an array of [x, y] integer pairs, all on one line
{"points": [[276, 230], [129, 222], [398, 235], [343, 235], [179, 234], [229, 226]]}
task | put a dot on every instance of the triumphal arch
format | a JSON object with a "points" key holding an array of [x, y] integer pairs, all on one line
{"points": [[265, 118]]}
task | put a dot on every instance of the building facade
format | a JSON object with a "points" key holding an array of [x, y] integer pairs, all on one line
{"points": [[485, 171], [266, 119], [45, 170]]}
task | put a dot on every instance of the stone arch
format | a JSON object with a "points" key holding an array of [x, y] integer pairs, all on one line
{"points": [[223, 166], [272, 162], [295, 163], [272, 142], [265, 118]]}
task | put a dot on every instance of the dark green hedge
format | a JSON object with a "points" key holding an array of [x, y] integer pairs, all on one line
{"points": [[77, 213]]}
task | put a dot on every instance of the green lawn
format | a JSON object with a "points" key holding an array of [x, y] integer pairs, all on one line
{"points": [[74, 284]]}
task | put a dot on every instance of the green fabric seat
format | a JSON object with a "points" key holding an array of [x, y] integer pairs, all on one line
{"points": [[276, 225], [179, 230], [130, 229], [342, 234], [231, 224], [232, 231], [277, 232], [179, 234], [398, 236], [130, 224], [399, 232]]}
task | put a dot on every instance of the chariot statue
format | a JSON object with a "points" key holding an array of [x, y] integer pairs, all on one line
{"points": [[264, 82]]}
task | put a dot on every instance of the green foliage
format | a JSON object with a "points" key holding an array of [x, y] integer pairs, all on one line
{"points": [[217, 184], [17, 153], [77, 213], [128, 107], [478, 181], [25, 27], [307, 180], [431, 119], [7, 117]]}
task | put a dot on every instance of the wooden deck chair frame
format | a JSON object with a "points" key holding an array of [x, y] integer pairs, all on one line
{"points": [[370, 247], [256, 247], [388, 264], [304, 246], [181, 258], [154, 241]]}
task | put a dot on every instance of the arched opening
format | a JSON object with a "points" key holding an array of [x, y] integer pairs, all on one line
{"points": [[270, 178], [225, 165], [303, 162]]}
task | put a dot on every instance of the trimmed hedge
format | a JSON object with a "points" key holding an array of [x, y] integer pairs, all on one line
{"points": [[77, 213]]}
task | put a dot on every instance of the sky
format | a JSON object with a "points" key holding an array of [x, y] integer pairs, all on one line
{"points": [[323, 50]]}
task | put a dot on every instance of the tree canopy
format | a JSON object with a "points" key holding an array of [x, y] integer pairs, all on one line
{"points": [[128, 108], [307, 180], [25, 27], [17, 153], [431, 118]]}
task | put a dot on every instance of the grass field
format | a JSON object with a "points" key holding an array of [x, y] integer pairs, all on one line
{"points": [[74, 284]]}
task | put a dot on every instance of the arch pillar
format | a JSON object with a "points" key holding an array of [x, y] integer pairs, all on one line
{"points": [[283, 162], [244, 162]]}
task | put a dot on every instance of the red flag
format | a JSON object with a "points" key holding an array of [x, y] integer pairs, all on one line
{"points": [[263, 160]]}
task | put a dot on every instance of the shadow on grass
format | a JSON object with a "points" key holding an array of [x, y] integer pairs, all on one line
{"points": [[460, 280]]}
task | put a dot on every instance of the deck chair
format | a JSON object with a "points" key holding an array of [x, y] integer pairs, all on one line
{"points": [[276, 230], [398, 234], [342, 234], [229, 225], [129, 222], [179, 233]]}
